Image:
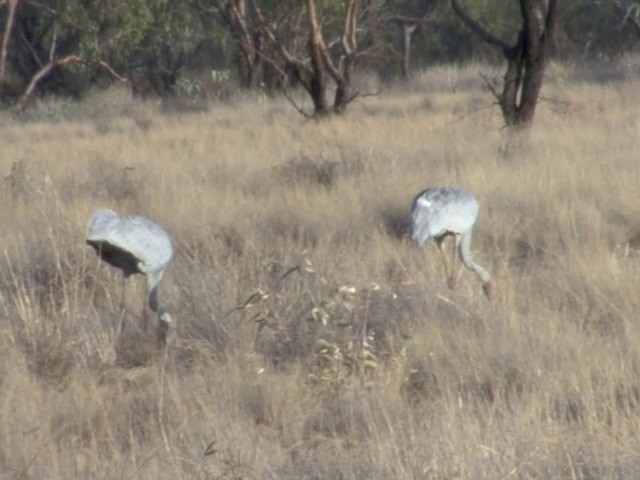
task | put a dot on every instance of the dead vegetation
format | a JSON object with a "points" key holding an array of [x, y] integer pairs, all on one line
{"points": [[313, 340]]}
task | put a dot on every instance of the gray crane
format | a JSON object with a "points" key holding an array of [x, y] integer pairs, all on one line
{"points": [[134, 244], [449, 211]]}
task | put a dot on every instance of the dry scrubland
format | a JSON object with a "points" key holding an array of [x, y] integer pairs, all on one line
{"points": [[313, 340]]}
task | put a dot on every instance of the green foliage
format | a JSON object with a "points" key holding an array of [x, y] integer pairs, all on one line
{"points": [[586, 28], [116, 28], [121, 32], [591, 28]]}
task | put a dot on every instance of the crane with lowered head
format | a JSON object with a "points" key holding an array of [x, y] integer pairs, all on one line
{"points": [[133, 244], [449, 212]]}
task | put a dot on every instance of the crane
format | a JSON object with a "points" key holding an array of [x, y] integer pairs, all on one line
{"points": [[133, 244], [449, 211]]}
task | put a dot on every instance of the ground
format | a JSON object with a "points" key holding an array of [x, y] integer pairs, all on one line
{"points": [[313, 339]]}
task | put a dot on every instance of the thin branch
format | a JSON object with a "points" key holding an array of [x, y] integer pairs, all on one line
{"points": [[13, 5], [288, 56], [282, 79], [421, 20], [631, 13], [49, 67], [471, 112], [54, 42], [478, 29], [37, 78], [491, 86], [349, 36], [319, 43], [60, 16], [111, 71]]}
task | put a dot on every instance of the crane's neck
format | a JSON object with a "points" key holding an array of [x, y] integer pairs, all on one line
{"points": [[465, 256], [153, 282]]}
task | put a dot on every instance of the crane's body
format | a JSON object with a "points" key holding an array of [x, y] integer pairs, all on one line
{"points": [[133, 244], [449, 211]]}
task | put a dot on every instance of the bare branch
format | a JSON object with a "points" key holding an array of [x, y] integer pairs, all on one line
{"points": [[428, 14], [37, 78], [349, 33], [318, 44], [59, 16], [490, 85], [478, 29], [288, 56], [32, 51], [111, 71], [631, 13], [48, 68], [13, 5], [54, 42], [283, 84]]}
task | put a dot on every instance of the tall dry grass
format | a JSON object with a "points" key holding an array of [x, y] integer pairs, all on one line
{"points": [[312, 339]]}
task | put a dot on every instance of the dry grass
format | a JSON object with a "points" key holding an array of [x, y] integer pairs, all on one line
{"points": [[300, 350]]}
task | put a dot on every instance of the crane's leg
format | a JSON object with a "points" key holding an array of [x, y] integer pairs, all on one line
{"points": [[123, 304], [455, 276], [145, 317], [441, 241]]}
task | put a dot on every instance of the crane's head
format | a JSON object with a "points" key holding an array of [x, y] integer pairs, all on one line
{"points": [[163, 327], [489, 287], [164, 318]]}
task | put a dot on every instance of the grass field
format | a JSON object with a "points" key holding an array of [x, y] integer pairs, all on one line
{"points": [[312, 339]]}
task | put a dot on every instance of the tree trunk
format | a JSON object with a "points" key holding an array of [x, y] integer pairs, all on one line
{"points": [[526, 60], [318, 83]]}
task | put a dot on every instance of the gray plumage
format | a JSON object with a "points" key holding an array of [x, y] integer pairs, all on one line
{"points": [[133, 244], [449, 211]]}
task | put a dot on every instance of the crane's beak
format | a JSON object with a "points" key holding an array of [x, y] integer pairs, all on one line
{"points": [[489, 287]]}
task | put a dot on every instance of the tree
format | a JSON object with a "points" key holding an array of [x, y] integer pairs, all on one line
{"points": [[315, 63], [238, 17], [65, 46], [526, 59]]}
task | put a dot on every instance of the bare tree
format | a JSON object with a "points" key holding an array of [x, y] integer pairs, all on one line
{"points": [[320, 64], [526, 59]]}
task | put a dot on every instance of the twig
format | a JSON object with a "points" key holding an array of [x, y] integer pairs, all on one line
{"points": [[109, 68], [471, 112], [451, 302], [490, 85], [210, 450], [563, 103], [478, 29]]}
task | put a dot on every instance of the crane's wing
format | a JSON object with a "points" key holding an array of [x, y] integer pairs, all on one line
{"points": [[137, 235], [438, 210]]}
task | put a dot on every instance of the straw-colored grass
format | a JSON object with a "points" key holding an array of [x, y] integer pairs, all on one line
{"points": [[312, 338]]}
